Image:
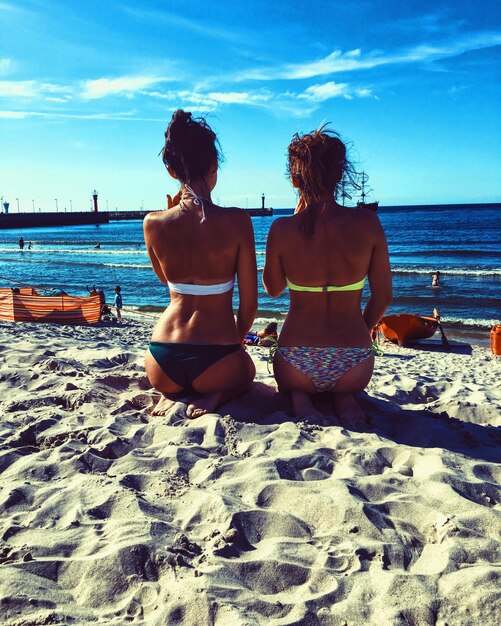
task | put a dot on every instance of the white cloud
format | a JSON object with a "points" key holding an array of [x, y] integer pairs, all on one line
{"points": [[13, 115], [18, 89], [238, 97], [31, 89], [327, 91], [125, 85], [319, 93], [174, 20], [129, 116], [209, 101], [353, 60]]}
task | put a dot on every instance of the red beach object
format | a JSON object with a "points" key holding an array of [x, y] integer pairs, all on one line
{"points": [[30, 306], [496, 339], [406, 327]]}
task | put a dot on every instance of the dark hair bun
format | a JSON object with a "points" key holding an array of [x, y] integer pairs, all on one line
{"points": [[191, 146], [180, 116], [180, 119]]}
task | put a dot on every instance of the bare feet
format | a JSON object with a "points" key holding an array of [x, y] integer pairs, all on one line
{"points": [[349, 413], [163, 405], [304, 407], [205, 404]]}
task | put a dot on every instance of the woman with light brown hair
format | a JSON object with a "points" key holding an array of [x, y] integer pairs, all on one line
{"points": [[323, 254], [198, 249]]}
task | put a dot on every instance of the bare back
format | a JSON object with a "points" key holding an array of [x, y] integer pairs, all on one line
{"points": [[347, 245], [184, 250]]}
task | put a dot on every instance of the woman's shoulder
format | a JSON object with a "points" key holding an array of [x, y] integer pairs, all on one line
{"points": [[363, 219], [154, 218], [285, 222]]}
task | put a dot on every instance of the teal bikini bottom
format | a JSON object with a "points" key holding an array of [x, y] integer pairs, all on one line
{"points": [[184, 362]]}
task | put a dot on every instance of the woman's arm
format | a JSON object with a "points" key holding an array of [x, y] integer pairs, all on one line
{"points": [[247, 278], [379, 279], [274, 279], [149, 236]]}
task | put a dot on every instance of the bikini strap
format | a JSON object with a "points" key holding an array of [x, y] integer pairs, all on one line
{"points": [[197, 200]]}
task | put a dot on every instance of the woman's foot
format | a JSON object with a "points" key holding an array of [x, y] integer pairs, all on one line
{"points": [[203, 405], [304, 407], [163, 406], [349, 413]]}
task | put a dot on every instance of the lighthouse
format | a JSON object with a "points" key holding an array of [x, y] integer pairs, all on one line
{"points": [[94, 196]]}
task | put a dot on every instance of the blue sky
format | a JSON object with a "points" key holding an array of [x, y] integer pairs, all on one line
{"points": [[87, 88]]}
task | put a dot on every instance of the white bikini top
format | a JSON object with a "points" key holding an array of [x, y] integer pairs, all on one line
{"points": [[201, 290]]}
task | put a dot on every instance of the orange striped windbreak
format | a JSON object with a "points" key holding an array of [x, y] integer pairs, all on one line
{"points": [[28, 306]]}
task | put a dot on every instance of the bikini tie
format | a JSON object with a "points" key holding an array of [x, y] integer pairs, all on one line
{"points": [[197, 200]]}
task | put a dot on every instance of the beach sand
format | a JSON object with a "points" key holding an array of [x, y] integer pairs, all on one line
{"points": [[110, 515]]}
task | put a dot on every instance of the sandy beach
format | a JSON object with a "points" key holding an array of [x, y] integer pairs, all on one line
{"points": [[111, 515]]}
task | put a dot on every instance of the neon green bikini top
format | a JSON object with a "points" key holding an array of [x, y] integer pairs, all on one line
{"points": [[326, 288]]}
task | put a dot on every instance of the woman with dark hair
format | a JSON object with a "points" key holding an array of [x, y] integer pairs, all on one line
{"points": [[323, 254], [198, 248]]}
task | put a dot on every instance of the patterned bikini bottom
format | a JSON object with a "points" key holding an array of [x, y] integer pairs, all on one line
{"points": [[324, 366]]}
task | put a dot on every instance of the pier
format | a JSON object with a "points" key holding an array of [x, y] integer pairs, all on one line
{"points": [[39, 220], [75, 218]]}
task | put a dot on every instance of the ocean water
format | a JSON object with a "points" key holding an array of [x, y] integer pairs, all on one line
{"points": [[462, 241]]}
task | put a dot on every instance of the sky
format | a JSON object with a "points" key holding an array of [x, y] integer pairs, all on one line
{"points": [[88, 88]]}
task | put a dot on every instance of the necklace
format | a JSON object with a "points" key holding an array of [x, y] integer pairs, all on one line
{"points": [[197, 200]]}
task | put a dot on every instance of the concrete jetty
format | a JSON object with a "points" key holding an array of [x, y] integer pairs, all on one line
{"points": [[39, 220]]}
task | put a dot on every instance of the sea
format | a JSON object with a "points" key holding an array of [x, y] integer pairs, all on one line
{"points": [[461, 241]]}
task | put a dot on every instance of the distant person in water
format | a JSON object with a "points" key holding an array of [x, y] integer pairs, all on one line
{"points": [[30, 245], [198, 249], [21, 243], [323, 255], [435, 281], [118, 301], [97, 246]]}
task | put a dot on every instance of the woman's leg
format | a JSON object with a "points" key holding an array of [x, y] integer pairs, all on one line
{"points": [[223, 380], [355, 380], [161, 382], [300, 386]]}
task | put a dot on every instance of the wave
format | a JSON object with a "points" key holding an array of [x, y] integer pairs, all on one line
{"points": [[39, 250], [86, 264], [491, 272], [73, 242], [483, 206], [421, 271], [456, 253], [128, 265], [468, 323]]}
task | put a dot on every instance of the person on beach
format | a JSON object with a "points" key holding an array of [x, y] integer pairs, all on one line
{"points": [[21, 243], [323, 254], [267, 335], [435, 281], [117, 303], [263, 337], [197, 248]]}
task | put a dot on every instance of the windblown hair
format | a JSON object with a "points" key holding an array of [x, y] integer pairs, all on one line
{"points": [[191, 147], [318, 165]]}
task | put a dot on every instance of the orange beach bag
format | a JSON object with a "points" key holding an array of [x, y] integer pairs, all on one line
{"points": [[496, 339]]}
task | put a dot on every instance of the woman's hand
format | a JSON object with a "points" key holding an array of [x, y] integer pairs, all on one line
{"points": [[173, 201]]}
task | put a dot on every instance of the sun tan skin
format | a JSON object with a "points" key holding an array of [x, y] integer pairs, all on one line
{"points": [[347, 245], [182, 250]]}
